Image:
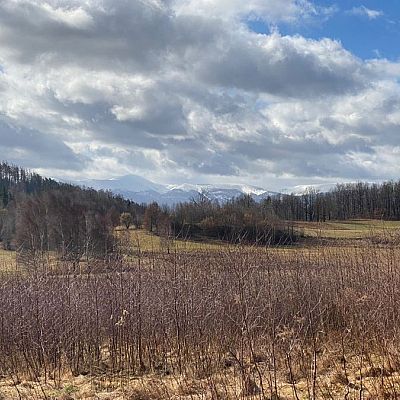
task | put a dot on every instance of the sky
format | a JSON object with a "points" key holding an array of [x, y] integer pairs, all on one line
{"points": [[273, 93]]}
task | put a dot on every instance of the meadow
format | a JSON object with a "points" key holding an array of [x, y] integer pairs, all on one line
{"points": [[140, 239], [199, 320], [333, 233], [349, 229]]}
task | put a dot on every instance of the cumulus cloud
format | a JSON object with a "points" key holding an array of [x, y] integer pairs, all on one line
{"points": [[177, 89], [283, 66]]}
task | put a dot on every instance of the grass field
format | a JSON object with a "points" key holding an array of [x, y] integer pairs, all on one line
{"points": [[332, 230], [343, 231], [147, 242], [223, 385], [352, 229]]}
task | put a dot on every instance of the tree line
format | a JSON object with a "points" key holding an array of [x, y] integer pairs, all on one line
{"points": [[270, 221], [40, 214], [240, 220], [345, 201]]}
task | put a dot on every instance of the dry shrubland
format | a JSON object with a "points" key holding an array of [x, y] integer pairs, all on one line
{"points": [[228, 324]]}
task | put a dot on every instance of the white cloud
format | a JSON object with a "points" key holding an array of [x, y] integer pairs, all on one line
{"points": [[272, 11], [174, 92], [363, 11], [60, 12]]}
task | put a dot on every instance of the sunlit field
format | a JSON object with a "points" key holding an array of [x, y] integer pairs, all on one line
{"points": [[332, 234], [351, 229], [142, 240]]}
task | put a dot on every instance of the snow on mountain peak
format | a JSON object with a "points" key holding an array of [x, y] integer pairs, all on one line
{"points": [[142, 190]]}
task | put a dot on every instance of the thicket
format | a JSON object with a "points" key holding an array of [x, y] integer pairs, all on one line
{"points": [[263, 318], [240, 220]]}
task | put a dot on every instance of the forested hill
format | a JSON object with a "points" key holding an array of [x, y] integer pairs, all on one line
{"points": [[15, 179], [39, 213]]}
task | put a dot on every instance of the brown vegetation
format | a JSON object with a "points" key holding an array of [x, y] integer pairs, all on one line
{"points": [[88, 311], [233, 324]]}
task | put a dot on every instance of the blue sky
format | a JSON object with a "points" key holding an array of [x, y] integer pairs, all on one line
{"points": [[365, 36]]}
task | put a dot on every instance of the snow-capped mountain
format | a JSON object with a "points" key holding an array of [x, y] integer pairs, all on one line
{"points": [[142, 190], [303, 189], [127, 182]]}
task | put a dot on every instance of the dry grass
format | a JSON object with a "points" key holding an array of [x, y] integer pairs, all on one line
{"points": [[148, 242], [7, 261], [333, 382], [218, 322], [333, 230], [231, 324], [352, 229]]}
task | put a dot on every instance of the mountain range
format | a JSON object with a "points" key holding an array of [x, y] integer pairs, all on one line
{"points": [[142, 190]]}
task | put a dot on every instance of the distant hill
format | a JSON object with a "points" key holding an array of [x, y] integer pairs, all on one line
{"points": [[141, 190], [299, 190], [127, 183]]}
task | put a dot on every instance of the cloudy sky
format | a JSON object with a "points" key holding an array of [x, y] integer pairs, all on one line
{"points": [[268, 92]]}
